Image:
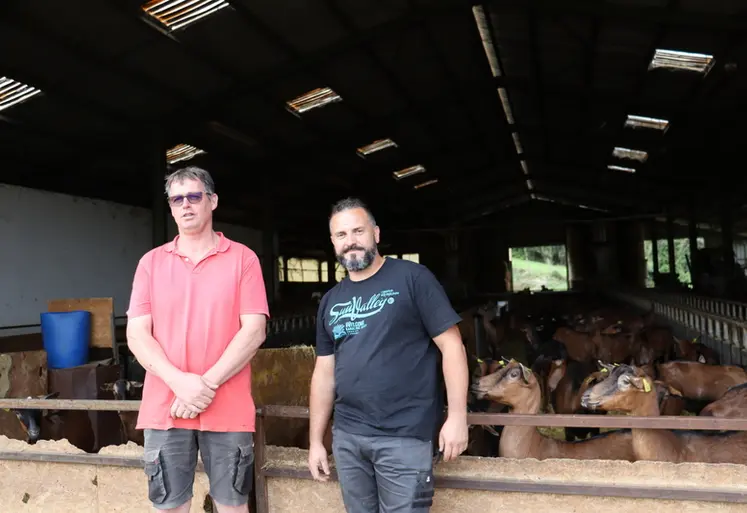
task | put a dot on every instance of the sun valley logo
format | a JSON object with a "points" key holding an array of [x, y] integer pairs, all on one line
{"points": [[357, 309]]}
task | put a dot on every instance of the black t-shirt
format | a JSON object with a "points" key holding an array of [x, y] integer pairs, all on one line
{"points": [[387, 373]]}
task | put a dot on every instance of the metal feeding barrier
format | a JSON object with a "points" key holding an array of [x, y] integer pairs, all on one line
{"points": [[263, 470], [733, 310], [71, 404], [726, 335]]}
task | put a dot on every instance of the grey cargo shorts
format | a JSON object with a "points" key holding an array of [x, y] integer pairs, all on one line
{"points": [[171, 458]]}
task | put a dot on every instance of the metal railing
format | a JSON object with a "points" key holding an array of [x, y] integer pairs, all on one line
{"points": [[265, 469], [274, 325], [290, 323], [726, 335], [733, 310]]}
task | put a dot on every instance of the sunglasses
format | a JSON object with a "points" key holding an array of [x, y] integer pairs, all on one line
{"points": [[193, 198]]}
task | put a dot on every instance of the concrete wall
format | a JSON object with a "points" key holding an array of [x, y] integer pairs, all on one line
{"points": [[58, 246], [290, 495], [40, 487]]}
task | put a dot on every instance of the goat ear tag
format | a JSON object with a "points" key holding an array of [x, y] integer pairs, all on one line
{"points": [[479, 360], [646, 385], [604, 369]]}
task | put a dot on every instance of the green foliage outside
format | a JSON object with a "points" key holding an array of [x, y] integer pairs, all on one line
{"points": [[536, 266], [681, 256]]}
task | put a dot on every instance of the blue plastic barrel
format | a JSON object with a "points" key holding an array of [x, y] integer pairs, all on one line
{"points": [[66, 337]]}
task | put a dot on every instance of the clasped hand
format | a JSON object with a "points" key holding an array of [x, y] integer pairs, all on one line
{"points": [[193, 395]]}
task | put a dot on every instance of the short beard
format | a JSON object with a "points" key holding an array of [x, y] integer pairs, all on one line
{"points": [[353, 264]]}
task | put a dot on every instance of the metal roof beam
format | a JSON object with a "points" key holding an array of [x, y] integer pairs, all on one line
{"points": [[636, 14]]}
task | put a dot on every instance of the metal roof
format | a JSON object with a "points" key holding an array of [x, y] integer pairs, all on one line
{"points": [[118, 88]]}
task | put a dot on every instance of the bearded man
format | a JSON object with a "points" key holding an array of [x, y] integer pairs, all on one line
{"points": [[381, 332]]}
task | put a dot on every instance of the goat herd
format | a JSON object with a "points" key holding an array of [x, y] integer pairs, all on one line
{"points": [[562, 357], [595, 361]]}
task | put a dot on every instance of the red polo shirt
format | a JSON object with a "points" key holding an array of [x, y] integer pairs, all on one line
{"points": [[195, 308]]}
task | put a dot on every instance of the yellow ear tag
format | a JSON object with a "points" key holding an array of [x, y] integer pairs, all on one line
{"points": [[646, 385], [604, 369], [501, 362], [480, 361], [588, 380]]}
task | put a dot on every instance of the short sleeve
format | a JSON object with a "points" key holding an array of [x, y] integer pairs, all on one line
{"points": [[325, 346], [140, 295], [433, 304], [252, 292]]}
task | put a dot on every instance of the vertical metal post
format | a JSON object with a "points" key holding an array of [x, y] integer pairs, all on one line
{"points": [[654, 249], [269, 250], [479, 338], [155, 163], [260, 480], [670, 244]]}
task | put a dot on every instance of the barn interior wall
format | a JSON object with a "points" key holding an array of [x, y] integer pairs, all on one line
{"points": [[295, 297], [606, 254], [533, 234], [580, 258], [59, 246], [466, 261], [489, 261]]}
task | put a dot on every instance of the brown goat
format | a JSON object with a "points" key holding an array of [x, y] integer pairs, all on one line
{"points": [[696, 352], [618, 347], [516, 386], [732, 404], [572, 381], [659, 340], [700, 381], [580, 345], [628, 389], [670, 399]]}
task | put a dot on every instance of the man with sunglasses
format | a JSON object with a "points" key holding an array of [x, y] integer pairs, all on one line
{"points": [[196, 318]]}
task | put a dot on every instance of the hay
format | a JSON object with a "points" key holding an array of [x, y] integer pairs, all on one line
{"points": [[63, 446], [558, 433], [128, 450]]}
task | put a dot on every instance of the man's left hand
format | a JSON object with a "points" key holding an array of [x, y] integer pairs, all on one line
{"points": [[180, 411], [454, 437]]}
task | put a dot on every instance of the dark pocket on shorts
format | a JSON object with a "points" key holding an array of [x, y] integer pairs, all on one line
{"points": [[424, 490], [156, 483], [242, 481]]}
